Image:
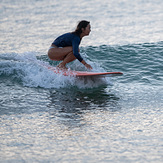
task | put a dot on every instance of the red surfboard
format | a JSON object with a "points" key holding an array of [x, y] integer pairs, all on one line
{"points": [[83, 73]]}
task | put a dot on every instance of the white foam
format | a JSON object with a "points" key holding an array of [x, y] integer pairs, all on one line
{"points": [[28, 69]]}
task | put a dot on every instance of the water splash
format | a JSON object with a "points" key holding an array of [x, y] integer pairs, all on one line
{"points": [[31, 72]]}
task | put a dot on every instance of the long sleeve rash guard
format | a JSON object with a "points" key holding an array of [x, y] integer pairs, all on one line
{"points": [[69, 39]]}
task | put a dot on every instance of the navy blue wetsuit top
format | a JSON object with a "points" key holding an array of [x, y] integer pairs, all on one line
{"points": [[69, 39]]}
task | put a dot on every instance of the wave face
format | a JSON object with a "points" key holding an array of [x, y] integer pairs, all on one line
{"points": [[140, 63]]}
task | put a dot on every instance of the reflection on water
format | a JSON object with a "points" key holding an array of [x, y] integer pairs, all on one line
{"points": [[75, 125], [69, 105]]}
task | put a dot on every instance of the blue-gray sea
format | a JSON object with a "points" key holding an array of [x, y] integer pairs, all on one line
{"points": [[47, 117]]}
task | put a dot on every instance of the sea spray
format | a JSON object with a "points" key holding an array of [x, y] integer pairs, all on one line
{"points": [[31, 72]]}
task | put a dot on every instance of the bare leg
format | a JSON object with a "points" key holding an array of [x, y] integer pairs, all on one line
{"points": [[69, 58], [61, 54]]}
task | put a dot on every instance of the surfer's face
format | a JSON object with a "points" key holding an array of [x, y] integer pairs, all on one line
{"points": [[87, 30]]}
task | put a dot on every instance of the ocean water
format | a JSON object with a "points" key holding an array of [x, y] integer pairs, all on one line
{"points": [[47, 117]]}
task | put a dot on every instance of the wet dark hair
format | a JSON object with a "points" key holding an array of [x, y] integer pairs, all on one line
{"points": [[81, 24]]}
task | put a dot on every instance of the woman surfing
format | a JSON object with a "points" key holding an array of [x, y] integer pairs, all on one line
{"points": [[65, 48]]}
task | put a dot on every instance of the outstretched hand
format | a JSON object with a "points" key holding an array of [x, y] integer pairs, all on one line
{"points": [[88, 66]]}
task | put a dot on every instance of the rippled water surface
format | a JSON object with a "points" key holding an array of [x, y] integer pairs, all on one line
{"points": [[47, 117]]}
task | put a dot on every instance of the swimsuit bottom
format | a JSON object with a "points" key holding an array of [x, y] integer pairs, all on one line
{"points": [[54, 47]]}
